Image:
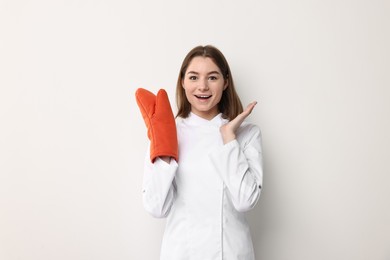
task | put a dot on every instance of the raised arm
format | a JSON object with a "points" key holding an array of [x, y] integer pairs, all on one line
{"points": [[161, 160], [240, 165], [239, 161]]}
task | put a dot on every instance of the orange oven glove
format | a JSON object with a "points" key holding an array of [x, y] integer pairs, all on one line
{"points": [[159, 120]]}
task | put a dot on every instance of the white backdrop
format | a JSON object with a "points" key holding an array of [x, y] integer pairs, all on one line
{"points": [[72, 141]]}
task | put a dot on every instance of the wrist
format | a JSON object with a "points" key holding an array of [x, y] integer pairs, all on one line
{"points": [[228, 138], [166, 159]]}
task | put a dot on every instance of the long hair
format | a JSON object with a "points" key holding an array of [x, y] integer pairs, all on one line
{"points": [[230, 104]]}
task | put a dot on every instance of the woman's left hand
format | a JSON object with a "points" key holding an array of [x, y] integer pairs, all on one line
{"points": [[228, 130]]}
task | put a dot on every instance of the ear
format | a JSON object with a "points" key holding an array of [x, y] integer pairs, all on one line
{"points": [[182, 83], [226, 85]]}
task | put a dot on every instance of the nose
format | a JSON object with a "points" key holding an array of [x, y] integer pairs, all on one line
{"points": [[203, 85]]}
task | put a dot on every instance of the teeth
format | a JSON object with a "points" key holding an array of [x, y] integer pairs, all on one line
{"points": [[202, 96]]}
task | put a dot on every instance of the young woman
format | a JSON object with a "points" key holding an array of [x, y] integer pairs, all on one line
{"points": [[204, 171]]}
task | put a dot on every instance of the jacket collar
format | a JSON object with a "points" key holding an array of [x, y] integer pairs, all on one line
{"points": [[196, 120]]}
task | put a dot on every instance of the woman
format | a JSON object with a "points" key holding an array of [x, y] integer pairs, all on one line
{"points": [[205, 171]]}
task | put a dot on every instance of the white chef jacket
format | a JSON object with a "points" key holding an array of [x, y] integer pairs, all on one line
{"points": [[204, 195]]}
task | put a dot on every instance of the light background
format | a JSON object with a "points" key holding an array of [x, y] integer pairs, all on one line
{"points": [[72, 141]]}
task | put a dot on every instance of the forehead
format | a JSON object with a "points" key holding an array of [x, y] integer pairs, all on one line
{"points": [[201, 64]]}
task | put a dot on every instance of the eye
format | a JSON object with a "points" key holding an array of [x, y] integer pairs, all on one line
{"points": [[193, 77], [213, 78]]}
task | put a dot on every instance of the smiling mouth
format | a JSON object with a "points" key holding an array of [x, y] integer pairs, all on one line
{"points": [[203, 96]]}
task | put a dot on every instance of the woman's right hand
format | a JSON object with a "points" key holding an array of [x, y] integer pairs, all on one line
{"points": [[157, 114]]}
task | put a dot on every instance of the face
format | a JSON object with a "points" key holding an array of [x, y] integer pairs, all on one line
{"points": [[203, 84]]}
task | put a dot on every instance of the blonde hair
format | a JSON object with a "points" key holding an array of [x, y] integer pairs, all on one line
{"points": [[230, 104]]}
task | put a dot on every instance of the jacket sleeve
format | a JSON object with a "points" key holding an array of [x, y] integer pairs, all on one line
{"points": [[158, 186], [240, 165]]}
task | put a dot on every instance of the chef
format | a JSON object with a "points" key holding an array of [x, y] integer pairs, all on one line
{"points": [[204, 170]]}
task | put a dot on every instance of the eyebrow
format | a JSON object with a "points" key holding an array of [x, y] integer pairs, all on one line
{"points": [[196, 73]]}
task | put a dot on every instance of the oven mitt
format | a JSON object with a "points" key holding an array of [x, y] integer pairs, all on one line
{"points": [[159, 120]]}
